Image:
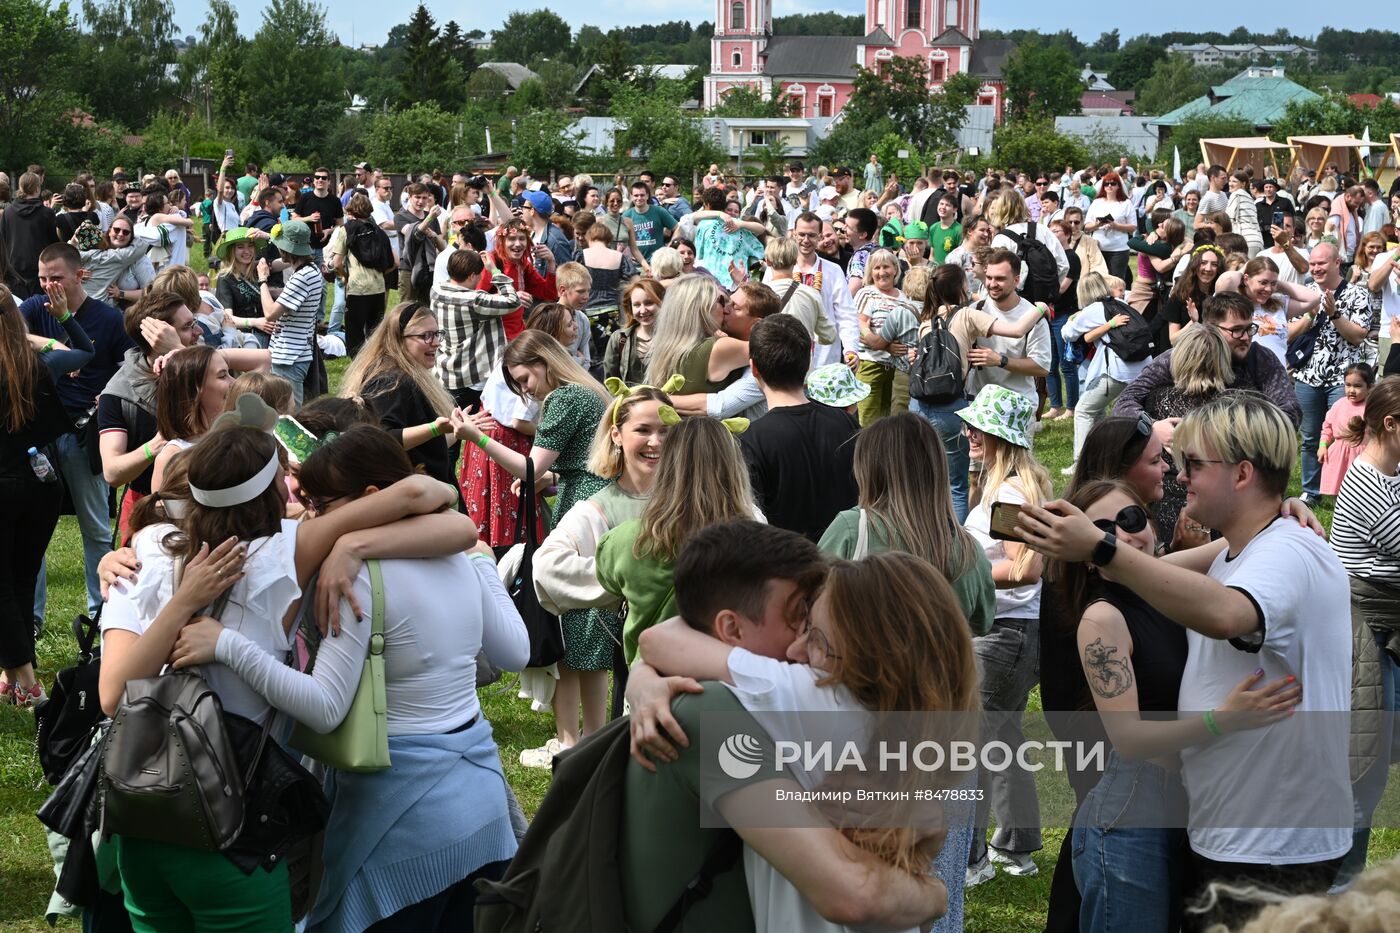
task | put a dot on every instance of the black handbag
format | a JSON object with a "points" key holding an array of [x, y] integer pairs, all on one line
{"points": [[1300, 348], [64, 722], [546, 633]]}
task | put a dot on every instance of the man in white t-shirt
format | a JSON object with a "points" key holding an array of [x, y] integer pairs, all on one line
{"points": [[1215, 197], [1013, 363], [1270, 805], [1291, 260]]}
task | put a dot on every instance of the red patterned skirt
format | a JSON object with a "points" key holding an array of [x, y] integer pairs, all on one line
{"points": [[486, 490]]}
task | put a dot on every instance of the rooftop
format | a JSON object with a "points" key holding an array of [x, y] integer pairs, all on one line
{"points": [[812, 56], [1259, 99]]}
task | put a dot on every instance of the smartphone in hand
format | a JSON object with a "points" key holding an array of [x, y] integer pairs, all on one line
{"points": [[1005, 521]]}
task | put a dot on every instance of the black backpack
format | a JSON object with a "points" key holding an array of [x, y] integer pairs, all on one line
{"points": [[567, 874], [369, 245], [1042, 274], [64, 722], [936, 375], [1136, 340]]}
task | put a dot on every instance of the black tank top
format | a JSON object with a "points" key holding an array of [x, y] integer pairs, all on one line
{"points": [[1159, 648]]}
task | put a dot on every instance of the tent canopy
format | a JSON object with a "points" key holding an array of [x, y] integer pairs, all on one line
{"points": [[1233, 152], [1311, 153]]}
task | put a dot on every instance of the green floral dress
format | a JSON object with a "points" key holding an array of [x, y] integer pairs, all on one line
{"points": [[568, 419]]}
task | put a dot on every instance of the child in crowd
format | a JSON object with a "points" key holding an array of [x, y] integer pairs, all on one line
{"points": [[1344, 426]]}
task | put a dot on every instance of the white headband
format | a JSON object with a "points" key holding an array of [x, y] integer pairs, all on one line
{"points": [[246, 491]]}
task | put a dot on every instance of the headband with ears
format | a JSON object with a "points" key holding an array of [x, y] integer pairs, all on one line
{"points": [[620, 391], [407, 314]]}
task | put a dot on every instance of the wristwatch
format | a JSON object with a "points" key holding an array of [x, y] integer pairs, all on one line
{"points": [[1004, 360], [1104, 550]]}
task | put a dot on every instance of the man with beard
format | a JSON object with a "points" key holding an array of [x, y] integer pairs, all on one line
{"points": [[828, 278]]}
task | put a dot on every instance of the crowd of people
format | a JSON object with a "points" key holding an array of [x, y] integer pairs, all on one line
{"points": [[767, 449]]}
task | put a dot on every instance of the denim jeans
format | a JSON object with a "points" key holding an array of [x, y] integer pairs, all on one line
{"points": [[1008, 666], [337, 321], [1129, 848], [1315, 403], [950, 864], [945, 420], [1094, 405], [296, 372], [1368, 789], [89, 492], [1061, 368]]}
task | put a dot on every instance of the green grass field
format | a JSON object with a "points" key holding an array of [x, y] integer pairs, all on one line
{"points": [[1004, 905]]}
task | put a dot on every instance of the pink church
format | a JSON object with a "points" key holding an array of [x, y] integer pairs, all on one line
{"points": [[819, 71]]}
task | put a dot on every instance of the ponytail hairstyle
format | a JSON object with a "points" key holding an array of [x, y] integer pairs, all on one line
{"points": [[276, 391], [170, 504], [1356, 428], [228, 455], [702, 480], [947, 291]]}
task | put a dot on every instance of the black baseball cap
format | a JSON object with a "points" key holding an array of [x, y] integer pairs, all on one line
{"points": [[841, 170]]}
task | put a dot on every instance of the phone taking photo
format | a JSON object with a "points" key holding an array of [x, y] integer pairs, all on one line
{"points": [[1005, 521]]}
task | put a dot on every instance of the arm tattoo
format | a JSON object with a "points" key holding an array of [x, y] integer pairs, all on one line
{"points": [[1108, 676]]}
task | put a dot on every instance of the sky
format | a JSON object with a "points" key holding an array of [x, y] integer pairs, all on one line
{"points": [[369, 21]]}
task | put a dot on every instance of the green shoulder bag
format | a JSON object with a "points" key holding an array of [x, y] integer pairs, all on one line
{"points": [[361, 741]]}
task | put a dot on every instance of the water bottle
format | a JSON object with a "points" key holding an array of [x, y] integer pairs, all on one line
{"points": [[41, 466]]}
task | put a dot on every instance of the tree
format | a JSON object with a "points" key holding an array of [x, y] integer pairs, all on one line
{"points": [[415, 138], [458, 47], [1033, 145], [524, 36], [126, 51], [1107, 43], [33, 104], [1335, 114], [300, 91], [898, 92], [1042, 82], [750, 102], [850, 142], [557, 80], [1174, 81], [652, 129], [1187, 134], [225, 81], [487, 86], [1135, 65], [426, 75], [545, 142]]}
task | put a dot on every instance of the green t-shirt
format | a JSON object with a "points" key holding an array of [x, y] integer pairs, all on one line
{"points": [[646, 583], [649, 227], [663, 843], [974, 588], [245, 186], [944, 240]]}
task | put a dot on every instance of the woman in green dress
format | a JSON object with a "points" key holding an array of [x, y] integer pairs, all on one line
{"points": [[572, 404]]}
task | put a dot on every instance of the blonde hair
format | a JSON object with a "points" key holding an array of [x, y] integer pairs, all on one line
{"points": [[604, 457], [276, 391], [572, 275], [780, 253], [880, 257], [916, 283], [240, 270], [901, 471], [1371, 904], [686, 317], [183, 281], [1093, 286], [1006, 462], [1005, 208], [533, 347], [385, 354], [919, 657], [667, 263], [1201, 361], [1243, 426], [702, 480]]}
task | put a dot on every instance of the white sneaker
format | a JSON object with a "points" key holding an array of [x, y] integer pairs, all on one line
{"points": [[1019, 864], [980, 871], [1068, 471], [542, 757]]}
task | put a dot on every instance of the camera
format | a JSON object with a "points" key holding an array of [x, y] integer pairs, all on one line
{"points": [[477, 181]]}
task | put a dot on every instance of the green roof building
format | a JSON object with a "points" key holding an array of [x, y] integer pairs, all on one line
{"points": [[1258, 95]]}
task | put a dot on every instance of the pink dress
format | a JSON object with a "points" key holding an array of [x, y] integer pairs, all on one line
{"points": [[1340, 454]]}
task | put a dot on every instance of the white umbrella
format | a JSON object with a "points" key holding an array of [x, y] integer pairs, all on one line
{"points": [[1176, 163], [1365, 151]]}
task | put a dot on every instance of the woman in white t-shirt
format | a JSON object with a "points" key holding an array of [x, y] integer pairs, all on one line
{"points": [[998, 433], [919, 658], [880, 304], [237, 502], [1111, 218], [1276, 302], [1385, 278], [446, 785]]}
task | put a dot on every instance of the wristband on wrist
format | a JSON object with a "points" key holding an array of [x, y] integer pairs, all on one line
{"points": [[1211, 726], [433, 428], [482, 441], [146, 448], [66, 316], [49, 346]]}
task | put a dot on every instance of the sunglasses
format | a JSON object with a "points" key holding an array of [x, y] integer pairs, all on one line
{"points": [[1190, 464], [1111, 184], [1131, 519], [321, 177]]}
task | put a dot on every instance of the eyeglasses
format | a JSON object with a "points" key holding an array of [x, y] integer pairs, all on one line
{"points": [[817, 643], [1190, 464], [1241, 331], [1131, 519], [119, 231], [428, 336], [319, 506]]}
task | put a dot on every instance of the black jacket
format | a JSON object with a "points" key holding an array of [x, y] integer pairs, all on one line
{"points": [[28, 225]]}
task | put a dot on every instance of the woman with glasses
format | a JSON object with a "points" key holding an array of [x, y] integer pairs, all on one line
{"points": [[394, 375], [1129, 841], [1111, 218], [364, 286], [118, 269], [624, 235]]}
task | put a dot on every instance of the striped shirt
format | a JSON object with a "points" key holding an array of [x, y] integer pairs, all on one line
{"points": [[473, 337], [301, 301], [1366, 524]]}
